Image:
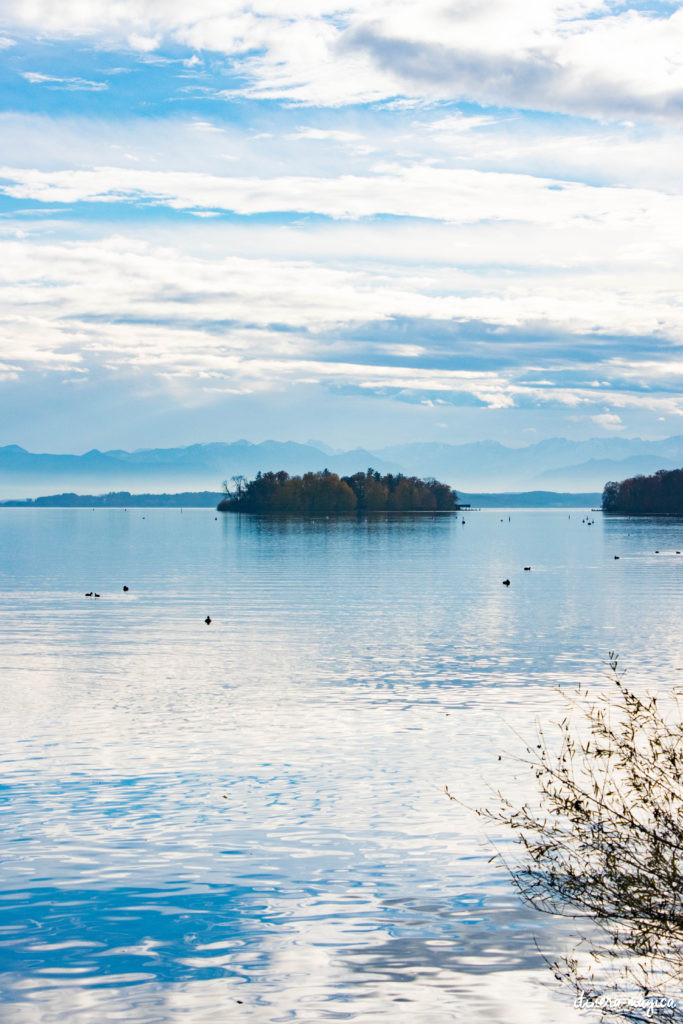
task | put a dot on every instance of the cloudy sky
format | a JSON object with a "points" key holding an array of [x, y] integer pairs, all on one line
{"points": [[365, 223]]}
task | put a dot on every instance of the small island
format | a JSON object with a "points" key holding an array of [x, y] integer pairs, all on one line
{"points": [[661, 493], [324, 491]]}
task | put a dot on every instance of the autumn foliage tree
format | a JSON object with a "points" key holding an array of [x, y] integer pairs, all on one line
{"points": [[660, 493], [327, 492]]}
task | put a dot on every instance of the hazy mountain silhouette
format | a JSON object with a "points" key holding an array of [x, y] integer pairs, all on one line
{"points": [[196, 467], [556, 463], [553, 464]]}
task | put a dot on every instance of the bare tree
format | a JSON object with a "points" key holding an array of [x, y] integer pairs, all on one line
{"points": [[240, 483], [603, 843]]}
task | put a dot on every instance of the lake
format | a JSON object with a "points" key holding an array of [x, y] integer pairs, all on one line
{"points": [[247, 820]]}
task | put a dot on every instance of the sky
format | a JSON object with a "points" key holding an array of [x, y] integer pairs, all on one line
{"points": [[365, 223]]}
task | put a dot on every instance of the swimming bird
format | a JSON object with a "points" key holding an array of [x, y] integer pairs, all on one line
{"points": [[89, 595], [207, 620], [125, 588], [616, 558], [527, 568], [506, 583], [96, 595]]}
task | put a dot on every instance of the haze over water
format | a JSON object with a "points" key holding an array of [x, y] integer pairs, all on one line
{"points": [[247, 820]]}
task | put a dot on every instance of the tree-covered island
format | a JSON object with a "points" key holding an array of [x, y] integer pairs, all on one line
{"points": [[642, 495], [327, 492]]}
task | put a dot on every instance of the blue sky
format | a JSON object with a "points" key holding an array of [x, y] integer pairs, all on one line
{"points": [[364, 223]]}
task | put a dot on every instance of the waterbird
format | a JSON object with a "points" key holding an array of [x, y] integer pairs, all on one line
{"points": [[89, 595], [125, 587], [96, 595], [527, 568], [616, 558], [207, 620], [506, 583]]}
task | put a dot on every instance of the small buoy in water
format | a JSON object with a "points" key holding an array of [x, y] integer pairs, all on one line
{"points": [[506, 583], [125, 588], [207, 620]]}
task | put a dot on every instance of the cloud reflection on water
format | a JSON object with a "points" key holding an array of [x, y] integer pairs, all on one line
{"points": [[258, 807]]}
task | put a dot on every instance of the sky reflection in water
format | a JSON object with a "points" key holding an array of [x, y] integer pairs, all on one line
{"points": [[254, 810]]}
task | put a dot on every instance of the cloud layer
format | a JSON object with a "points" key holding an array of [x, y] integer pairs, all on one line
{"points": [[593, 58], [459, 207], [239, 325]]}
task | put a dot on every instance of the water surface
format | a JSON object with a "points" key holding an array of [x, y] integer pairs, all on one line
{"points": [[247, 820]]}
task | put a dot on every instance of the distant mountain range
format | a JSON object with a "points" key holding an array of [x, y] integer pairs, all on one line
{"points": [[555, 464], [481, 466], [197, 467]]}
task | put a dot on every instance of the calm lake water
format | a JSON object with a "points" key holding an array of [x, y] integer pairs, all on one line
{"points": [[246, 821]]}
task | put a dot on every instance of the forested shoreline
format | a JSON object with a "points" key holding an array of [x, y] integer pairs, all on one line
{"points": [[641, 495], [324, 491]]}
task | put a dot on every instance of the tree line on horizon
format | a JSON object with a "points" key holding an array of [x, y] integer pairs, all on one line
{"points": [[324, 491], [660, 493]]}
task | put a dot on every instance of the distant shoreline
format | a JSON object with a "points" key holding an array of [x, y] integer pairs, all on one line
{"points": [[209, 500], [120, 499]]}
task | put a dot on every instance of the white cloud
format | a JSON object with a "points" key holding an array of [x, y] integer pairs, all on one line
{"points": [[325, 135], [206, 126], [457, 123], [144, 44], [5, 43], [253, 325], [455, 196], [609, 421], [589, 58], [69, 84]]}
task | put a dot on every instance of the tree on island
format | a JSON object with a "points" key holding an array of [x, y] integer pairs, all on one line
{"points": [[660, 493], [604, 844], [324, 491]]}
